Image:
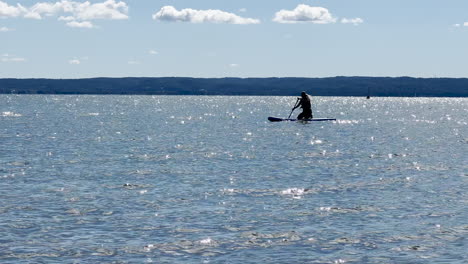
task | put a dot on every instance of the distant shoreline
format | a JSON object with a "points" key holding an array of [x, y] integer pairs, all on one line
{"points": [[287, 86]]}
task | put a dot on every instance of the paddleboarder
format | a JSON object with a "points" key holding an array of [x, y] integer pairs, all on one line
{"points": [[304, 103]]}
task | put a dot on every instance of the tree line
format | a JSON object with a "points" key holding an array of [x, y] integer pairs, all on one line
{"points": [[333, 86]]}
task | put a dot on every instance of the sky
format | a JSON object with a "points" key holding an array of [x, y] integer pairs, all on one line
{"points": [[225, 38]]}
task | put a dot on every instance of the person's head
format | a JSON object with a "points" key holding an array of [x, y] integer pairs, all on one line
{"points": [[303, 94]]}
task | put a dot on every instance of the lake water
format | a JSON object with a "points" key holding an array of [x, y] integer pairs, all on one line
{"points": [[179, 179]]}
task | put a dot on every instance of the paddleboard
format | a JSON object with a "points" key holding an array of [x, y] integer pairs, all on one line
{"points": [[277, 119]]}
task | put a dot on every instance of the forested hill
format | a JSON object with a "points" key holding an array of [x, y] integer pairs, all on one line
{"points": [[335, 86]]}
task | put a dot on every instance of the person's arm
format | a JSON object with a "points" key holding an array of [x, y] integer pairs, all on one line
{"points": [[298, 103]]}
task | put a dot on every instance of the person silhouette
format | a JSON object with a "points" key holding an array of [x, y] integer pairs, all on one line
{"points": [[304, 103]]}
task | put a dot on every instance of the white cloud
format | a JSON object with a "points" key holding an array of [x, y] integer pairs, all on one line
{"points": [[170, 14], [13, 59], [10, 58], [81, 12], [7, 10], [305, 14], [107, 10], [66, 18], [74, 62], [153, 52], [83, 24], [5, 29], [47, 9], [465, 24], [355, 21], [233, 65], [133, 62]]}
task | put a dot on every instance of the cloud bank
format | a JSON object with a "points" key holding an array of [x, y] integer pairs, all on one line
{"points": [[76, 24], [78, 12], [5, 29], [74, 62], [11, 58], [305, 14], [311, 14], [171, 14], [10, 11], [355, 21], [465, 24]]}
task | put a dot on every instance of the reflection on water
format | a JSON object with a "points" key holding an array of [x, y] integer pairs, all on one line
{"points": [[168, 179]]}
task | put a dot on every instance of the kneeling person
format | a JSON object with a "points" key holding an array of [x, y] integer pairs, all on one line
{"points": [[305, 104]]}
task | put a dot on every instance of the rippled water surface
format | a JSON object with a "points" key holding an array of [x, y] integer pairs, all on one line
{"points": [[142, 179]]}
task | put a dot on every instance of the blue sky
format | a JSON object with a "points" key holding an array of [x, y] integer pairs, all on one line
{"points": [[242, 38]]}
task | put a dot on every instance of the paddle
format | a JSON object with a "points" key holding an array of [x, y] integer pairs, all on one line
{"points": [[294, 108]]}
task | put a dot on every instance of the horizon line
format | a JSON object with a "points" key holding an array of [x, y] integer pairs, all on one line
{"points": [[227, 77]]}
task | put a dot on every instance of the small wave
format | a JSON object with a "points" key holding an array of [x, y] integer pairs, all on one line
{"points": [[18, 163], [250, 192], [347, 121], [10, 114], [425, 121], [357, 209], [295, 193], [316, 141], [207, 242], [134, 186], [270, 239], [204, 246]]}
